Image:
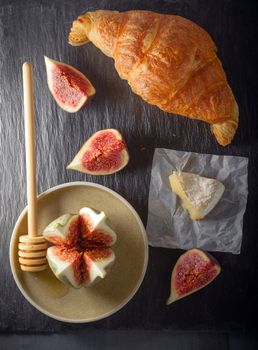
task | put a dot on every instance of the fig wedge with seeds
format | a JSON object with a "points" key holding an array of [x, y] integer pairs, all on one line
{"points": [[104, 153], [193, 270], [69, 87]]}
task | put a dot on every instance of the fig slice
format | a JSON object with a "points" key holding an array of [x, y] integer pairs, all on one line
{"points": [[193, 270], [66, 265], [95, 228], [104, 153], [97, 262], [64, 230], [69, 87]]}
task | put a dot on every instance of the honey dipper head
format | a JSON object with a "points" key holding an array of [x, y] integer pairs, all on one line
{"points": [[32, 253]]}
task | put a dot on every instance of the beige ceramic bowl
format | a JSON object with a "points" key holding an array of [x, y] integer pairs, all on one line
{"points": [[45, 292]]}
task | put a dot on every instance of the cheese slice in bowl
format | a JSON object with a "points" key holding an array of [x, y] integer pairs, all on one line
{"points": [[199, 194]]}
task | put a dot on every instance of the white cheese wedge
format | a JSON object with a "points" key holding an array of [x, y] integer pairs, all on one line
{"points": [[199, 194]]}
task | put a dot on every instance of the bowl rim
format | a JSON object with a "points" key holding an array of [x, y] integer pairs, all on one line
{"points": [[137, 286]]}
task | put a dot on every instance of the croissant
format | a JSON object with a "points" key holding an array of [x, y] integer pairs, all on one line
{"points": [[168, 60]]}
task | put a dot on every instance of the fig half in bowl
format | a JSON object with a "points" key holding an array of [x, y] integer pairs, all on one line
{"points": [[82, 254], [62, 302]]}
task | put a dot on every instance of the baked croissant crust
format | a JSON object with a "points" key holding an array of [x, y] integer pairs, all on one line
{"points": [[168, 60]]}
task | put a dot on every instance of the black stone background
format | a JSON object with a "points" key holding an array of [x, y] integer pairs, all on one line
{"points": [[28, 30]]}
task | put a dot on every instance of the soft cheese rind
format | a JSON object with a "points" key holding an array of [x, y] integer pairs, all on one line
{"points": [[199, 194]]}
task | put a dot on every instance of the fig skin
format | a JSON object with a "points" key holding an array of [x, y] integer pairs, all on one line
{"points": [[77, 162], [87, 92], [202, 280]]}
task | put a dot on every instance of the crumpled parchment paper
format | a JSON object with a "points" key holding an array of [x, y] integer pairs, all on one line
{"points": [[169, 224]]}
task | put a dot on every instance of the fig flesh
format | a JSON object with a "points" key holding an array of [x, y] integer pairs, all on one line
{"points": [[81, 254], [95, 228], [104, 153], [63, 230], [193, 270], [77, 268], [69, 87]]}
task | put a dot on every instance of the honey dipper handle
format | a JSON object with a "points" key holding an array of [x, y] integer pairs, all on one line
{"points": [[30, 148]]}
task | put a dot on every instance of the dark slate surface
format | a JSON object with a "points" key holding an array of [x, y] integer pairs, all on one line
{"points": [[30, 29], [131, 339]]}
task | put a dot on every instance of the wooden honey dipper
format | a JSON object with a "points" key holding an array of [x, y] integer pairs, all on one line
{"points": [[32, 248]]}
